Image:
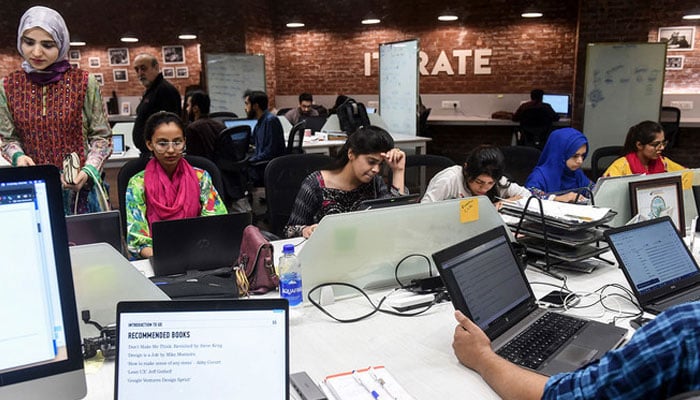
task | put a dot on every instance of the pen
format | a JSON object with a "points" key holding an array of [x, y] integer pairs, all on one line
{"points": [[359, 380], [381, 382]]}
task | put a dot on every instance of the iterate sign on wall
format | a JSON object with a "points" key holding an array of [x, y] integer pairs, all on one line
{"points": [[445, 64]]}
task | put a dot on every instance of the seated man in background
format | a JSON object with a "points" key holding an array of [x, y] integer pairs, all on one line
{"points": [[268, 136], [202, 131], [535, 119], [661, 360], [305, 109]]}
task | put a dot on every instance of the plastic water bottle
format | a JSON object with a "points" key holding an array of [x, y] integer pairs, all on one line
{"points": [[290, 282]]}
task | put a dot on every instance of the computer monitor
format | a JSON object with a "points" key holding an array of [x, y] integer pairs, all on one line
{"points": [[229, 123], [39, 340], [559, 102], [118, 144]]}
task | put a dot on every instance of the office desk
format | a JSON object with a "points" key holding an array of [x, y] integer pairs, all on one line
{"points": [[480, 120], [689, 122], [405, 142]]}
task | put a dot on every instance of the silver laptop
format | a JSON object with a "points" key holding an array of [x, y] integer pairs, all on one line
{"points": [[485, 282], [214, 350], [656, 263], [95, 228]]}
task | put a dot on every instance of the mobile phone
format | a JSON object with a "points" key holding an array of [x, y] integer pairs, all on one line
{"points": [[307, 388], [555, 299]]}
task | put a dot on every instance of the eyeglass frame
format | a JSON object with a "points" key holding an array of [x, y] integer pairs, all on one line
{"points": [[163, 147]]}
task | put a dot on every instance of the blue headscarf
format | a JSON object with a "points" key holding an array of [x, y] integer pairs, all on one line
{"points": [[551, 173]]}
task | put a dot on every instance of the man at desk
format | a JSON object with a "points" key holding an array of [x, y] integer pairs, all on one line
{"points": [[268, 136], [535, 117], [305, 109], [661, 360], [202, 131]]}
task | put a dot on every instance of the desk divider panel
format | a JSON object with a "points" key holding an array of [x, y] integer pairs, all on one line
{"points": [[363, 248]]}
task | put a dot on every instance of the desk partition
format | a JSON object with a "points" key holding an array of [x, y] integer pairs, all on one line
{"points": [[363, 248]]}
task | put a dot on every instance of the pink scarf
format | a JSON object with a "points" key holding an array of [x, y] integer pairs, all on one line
{"points": [[168, 199], [655, 166]]}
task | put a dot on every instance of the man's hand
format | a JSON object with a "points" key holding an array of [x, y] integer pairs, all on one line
{"points": [[471, 345]]}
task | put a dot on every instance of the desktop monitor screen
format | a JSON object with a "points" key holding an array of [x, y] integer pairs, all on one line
{"points": [[39, 341], [229, 123], [118, 144], [559, 102]]}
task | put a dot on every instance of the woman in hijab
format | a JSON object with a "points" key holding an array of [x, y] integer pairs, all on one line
{"points": [[558, 174], [49, 110]]}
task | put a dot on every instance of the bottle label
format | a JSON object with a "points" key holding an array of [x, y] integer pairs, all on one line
{"points": [[290, 289]]}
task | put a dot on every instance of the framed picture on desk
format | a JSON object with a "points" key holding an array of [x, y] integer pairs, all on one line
{"points": [[659, 197]]}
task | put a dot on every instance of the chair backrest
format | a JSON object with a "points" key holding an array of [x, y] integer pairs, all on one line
{"points": [[296, 138], [283, 177], [209, 166], [602, 158], [222, 116], [423, 122], [670, 119], [535, 126], [520, 161], [417, 178], [283, 111], [231, 156]]}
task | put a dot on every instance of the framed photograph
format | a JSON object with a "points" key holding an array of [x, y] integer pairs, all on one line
{"points": [[118, 56], [74, 65], [168, 72], [659, 197], [173, 54], [674, 62], [94, 62], [74, 54], [120, 75], [182, 72], [100, 78], [126, 108], [678, 38]]}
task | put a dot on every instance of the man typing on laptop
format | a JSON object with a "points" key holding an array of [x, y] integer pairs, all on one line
{"points": [[662, 359]]}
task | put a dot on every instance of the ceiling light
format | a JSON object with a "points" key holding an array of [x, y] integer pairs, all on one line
{"points": [[531, 12], [187, 36], [693, 14], [77, 41], [295, 24], [129, 38], [370, 19], [447, 16]]}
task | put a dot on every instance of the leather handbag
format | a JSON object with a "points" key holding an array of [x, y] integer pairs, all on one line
{"points": [[71, 168], [255, 270]]}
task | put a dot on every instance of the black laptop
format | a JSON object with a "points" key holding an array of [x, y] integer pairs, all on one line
{"points": [[101, 227], [657, 264], [485, 282], [389, 201], [201, 243], [314, 123], [214, 350]]}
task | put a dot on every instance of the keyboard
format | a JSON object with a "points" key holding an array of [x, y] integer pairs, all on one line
{"points": [[541, 339], [687, 297]]}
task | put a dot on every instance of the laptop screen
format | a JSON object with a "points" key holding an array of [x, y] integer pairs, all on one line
{"points": [[559, 102], [118, 144], [229, 123], [181, 350], [653, 254], [484, 270]]}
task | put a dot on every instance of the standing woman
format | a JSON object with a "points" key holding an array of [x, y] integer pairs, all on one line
{"points": [[49, 110]]}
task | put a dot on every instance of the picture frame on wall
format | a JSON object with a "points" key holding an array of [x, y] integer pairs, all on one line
{"points": [[74, 54], [657, 198], [125, 108], [678, 38], [74, 65], [94, 62], [173, 54], [182, 72], [118, 56], [168, 72], [674, 62], [100, 78], [120, 75]]}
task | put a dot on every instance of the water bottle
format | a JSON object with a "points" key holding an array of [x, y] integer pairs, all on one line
{"points": [[290, 281]]}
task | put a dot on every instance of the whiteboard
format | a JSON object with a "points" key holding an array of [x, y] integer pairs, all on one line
{"points": [[623, 87], [398, 86], [229, 76]]}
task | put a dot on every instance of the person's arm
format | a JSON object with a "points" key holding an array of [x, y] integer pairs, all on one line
{"points": [[208, 196], [444, 185], [618, 167], [553, 114], [138, 234], [511, 190], [473, 349], [396, 160], [672, 166], [272, 140], [96, 127], [9, 141], [306, 206]]}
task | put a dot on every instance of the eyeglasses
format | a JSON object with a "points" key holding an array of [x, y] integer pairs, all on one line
{"points": [[162, 147], [659, 143]]}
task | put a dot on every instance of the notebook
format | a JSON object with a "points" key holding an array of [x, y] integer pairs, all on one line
{"points": [[657, 264], [214, 350], [200, 243], [389, 201], [101, 227], [485, 281]]}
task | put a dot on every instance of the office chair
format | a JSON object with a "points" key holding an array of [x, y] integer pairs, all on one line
{"points": [[222, 116], [283, 177], [520, 161], [535, 125], [670, 119], [231, 156], [420, 169], [602, 158], [296, 139], [283, 111], [423, 123]]}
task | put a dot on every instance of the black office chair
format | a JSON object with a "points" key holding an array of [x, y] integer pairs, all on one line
{"points": [[223, 114], [602, 158], [414, 179], [296, 139], [535, 126], [283, 111], [283, 177], [231, 156], [520, 161], [423, 123], [670, 119]]}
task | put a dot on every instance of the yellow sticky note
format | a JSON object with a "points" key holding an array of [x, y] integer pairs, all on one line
{"points": [[468, 210], [687, 180]]}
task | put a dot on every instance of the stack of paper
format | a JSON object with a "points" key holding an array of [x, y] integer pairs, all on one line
{"points": [[369, 383]]}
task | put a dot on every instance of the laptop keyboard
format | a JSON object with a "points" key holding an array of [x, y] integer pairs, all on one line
{"points": [[541, 339]]}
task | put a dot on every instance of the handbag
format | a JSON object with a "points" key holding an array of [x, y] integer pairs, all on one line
{"points": [[71, 168], [254, 269]]}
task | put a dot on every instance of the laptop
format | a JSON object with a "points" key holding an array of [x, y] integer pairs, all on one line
{"points": [[485, 282], [101, 227], [118, 147], [389, 201], [220, 349], [657, 264], [200, 243], [314, 123]]}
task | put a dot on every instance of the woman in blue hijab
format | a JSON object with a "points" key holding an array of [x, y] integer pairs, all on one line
{"points": [[558, 174]]}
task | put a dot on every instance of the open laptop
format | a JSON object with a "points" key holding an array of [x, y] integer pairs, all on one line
{"points": [[221, 349], [200, 243], [486, 283], [389, 201], [101, 227], [314, 123], [657, 264]]}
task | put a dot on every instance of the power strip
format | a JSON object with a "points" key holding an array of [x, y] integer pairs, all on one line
{"points": [[411, 301]]}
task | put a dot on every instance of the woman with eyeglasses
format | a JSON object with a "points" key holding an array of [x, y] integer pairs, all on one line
{"points": [[642, 152], [481, 175], [169, 188], [558, 175]]}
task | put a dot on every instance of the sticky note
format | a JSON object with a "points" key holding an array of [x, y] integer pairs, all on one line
{"points": [[468, 210], [687, 180]]}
